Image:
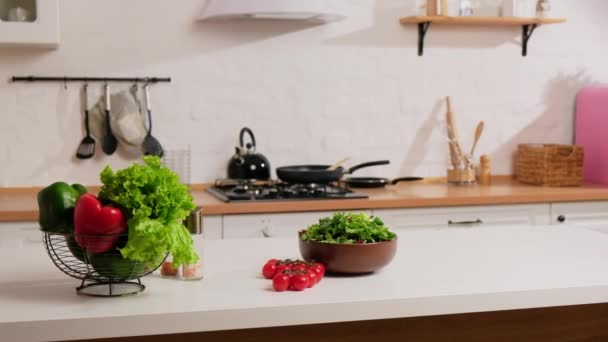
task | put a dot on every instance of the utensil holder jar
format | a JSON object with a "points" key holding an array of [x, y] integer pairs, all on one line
{"points": [[461, 176]]}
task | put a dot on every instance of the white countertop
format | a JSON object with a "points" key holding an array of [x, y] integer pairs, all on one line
{"points": [[434, 273]]}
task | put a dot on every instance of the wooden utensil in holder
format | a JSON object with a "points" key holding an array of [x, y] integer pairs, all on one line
{"points": [[462, 170]]}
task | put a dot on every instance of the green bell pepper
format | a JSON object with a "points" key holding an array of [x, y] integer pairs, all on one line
{"points": [[56, 205]]}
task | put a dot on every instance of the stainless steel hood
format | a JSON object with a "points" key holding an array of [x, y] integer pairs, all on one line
{"points": [[317, 11]]}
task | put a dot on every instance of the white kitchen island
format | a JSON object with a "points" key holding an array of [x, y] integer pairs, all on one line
{"points": [[435, 272]]}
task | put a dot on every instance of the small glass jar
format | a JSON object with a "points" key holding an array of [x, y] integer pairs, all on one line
{"points": [[461, 171], [167, 270], [466, 8], [183, 272], [188, 271], [192, 271], [543, 8]]}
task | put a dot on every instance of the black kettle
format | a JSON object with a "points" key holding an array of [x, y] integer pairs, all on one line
{"points": [[246, 164]]}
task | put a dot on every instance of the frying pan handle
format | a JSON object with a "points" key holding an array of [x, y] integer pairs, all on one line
{"points": [[368, 164], [242, 136], [406, 179]]}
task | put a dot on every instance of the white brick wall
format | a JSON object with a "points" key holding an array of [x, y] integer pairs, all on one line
{"points": [[311, 94]]}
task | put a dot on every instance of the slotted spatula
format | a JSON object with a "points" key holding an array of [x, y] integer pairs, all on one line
{"points": [[151, 146], [86, 149]]}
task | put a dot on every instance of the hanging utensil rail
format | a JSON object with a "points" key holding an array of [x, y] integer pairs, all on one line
{"points": [[66, 79]]}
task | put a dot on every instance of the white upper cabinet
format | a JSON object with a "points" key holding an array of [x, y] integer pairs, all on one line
{"points": [[29, 23]]}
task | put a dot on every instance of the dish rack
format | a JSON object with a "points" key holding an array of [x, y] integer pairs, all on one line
{"points": [[104, 274]]}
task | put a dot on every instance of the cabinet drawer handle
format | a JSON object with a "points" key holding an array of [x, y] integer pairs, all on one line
{"points": [[561, 219], [465, 223]]}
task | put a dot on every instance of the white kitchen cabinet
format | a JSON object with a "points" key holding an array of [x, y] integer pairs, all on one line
{"points": [[212, 227], [270, 225], [445, 217], [41, 29], [586, 214]]}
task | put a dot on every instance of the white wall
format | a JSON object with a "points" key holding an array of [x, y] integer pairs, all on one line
{"points": [[311, 94]]}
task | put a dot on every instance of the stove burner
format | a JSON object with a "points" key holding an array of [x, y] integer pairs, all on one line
{"points": [[249, 190], [246, 189]]}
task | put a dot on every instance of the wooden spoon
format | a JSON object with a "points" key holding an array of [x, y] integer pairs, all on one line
{"points": [[478, 132], [338, 164]]}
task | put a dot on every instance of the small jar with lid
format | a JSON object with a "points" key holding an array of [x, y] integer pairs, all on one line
{"points": [[194, 223], [188, 271]]}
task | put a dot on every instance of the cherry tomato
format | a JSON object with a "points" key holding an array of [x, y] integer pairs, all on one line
{"points": [[280, 282], [320, 267], [318, 264], [281, 267], [319, 272], [269, 270], [299, 282], [299, 267], [312, 278], [272, 261]]}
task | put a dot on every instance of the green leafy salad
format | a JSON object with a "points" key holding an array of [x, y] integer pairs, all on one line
{"points": [[156, 203], [348, 228]]}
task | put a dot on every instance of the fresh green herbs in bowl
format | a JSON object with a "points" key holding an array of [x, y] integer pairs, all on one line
{"points": [[349, 243], [348, 228]]}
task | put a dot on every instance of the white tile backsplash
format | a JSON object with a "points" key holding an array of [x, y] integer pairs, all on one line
{"points": [[311, 94]]}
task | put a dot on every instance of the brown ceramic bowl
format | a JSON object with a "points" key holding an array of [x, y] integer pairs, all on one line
{"points": [[349, 258]]}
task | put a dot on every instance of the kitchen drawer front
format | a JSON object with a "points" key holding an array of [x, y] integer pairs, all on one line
{"points": [[270, 225], [589, 214], [212, 227], [439, 218]]}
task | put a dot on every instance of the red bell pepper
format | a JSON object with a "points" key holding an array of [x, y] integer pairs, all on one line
{"points": [[92, 221]]}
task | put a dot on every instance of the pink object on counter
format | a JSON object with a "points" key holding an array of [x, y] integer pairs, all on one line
{"points": [[592, 132]]}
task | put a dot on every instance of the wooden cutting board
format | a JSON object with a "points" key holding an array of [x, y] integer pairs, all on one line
{"points": [[592, 132]]}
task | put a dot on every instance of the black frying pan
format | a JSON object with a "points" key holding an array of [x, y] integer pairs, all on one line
{"points": [[374, 182], [318, 174]]}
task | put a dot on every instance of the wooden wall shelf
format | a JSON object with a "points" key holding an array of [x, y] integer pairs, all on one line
{"points": [[528, 25]]}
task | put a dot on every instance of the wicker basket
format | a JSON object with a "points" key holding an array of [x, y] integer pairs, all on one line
{"points": [[550, 165]]}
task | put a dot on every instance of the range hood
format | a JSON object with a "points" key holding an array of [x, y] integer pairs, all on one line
{"points": [[318, 11]]}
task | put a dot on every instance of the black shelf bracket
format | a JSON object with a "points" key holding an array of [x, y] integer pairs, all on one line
{"points": [[527, 31], [422, 28]]}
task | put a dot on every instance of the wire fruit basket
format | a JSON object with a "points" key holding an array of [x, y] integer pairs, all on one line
{"points": [[100, 266]]}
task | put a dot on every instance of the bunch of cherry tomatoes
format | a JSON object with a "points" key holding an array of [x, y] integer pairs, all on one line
{"points": [[294, 275]]}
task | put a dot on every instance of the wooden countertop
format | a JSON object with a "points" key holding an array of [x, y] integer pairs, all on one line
{"points": [[20, 204]]}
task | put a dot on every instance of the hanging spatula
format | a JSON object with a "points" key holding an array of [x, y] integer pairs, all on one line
{"points": [[86, 149], [151, 146]]}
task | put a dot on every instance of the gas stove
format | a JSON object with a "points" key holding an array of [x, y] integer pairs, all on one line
{"points": [[247, 190]]}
